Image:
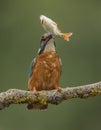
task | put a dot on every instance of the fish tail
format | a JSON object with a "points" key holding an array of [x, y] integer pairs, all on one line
{"points": [[66, 36]]}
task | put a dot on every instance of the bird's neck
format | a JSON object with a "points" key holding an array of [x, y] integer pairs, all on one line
{"points": [[50, 46]]}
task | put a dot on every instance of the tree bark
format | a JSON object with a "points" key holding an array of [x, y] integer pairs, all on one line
{"points": [[17, 96]]}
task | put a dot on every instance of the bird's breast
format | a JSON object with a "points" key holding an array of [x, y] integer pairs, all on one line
{"points": [[46, 72]]}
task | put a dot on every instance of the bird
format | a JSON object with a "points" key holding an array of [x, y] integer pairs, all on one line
{"points": [[45, 69]]}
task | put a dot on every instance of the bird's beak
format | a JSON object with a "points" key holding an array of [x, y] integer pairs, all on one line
{"points": [[49, 37]]}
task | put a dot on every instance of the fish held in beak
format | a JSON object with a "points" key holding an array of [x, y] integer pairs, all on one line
{"points": [[51, 27]]}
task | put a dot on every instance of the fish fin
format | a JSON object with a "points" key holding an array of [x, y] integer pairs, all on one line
{"points": [[59, 30], [66, 36], [57, 26], [54, 23]]}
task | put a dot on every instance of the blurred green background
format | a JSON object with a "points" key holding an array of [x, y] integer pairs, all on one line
{"points": [[20, 32]]}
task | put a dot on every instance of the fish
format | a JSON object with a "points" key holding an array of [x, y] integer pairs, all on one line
{"points": [[51, 27]]}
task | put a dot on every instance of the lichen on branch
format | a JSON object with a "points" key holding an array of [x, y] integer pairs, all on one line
{"points": [[17, 96]]}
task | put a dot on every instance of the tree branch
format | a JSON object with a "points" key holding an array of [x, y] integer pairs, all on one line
{"points": [[16, 96]]}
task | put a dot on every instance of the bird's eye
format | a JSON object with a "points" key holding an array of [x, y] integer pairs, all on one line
{"points": [[43, 38]]}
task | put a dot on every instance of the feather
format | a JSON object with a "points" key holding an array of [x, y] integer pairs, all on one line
{"points": [[31, 68]]}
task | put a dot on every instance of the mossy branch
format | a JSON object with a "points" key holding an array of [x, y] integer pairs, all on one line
{"points": [[16, 96]]}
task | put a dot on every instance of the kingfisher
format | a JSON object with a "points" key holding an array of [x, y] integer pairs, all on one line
{"points": [[45, 69]]}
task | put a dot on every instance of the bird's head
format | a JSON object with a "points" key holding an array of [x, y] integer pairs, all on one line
{"points": [[47, 43]]}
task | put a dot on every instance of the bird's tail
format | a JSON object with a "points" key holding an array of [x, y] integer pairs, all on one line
{"points": [[66, 36], [37, 106]]}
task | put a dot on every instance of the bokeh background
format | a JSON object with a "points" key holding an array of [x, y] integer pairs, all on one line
{"points": [[20, 32]]}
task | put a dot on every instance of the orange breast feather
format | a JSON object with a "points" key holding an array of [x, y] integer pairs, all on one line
{"points": [[46, 72]]}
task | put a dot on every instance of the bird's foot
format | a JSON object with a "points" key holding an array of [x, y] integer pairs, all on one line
{"points": [[35, 91], [58, 88]]}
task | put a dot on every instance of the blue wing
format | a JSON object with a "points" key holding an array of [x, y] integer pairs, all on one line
{"points": [[31, 68]]}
